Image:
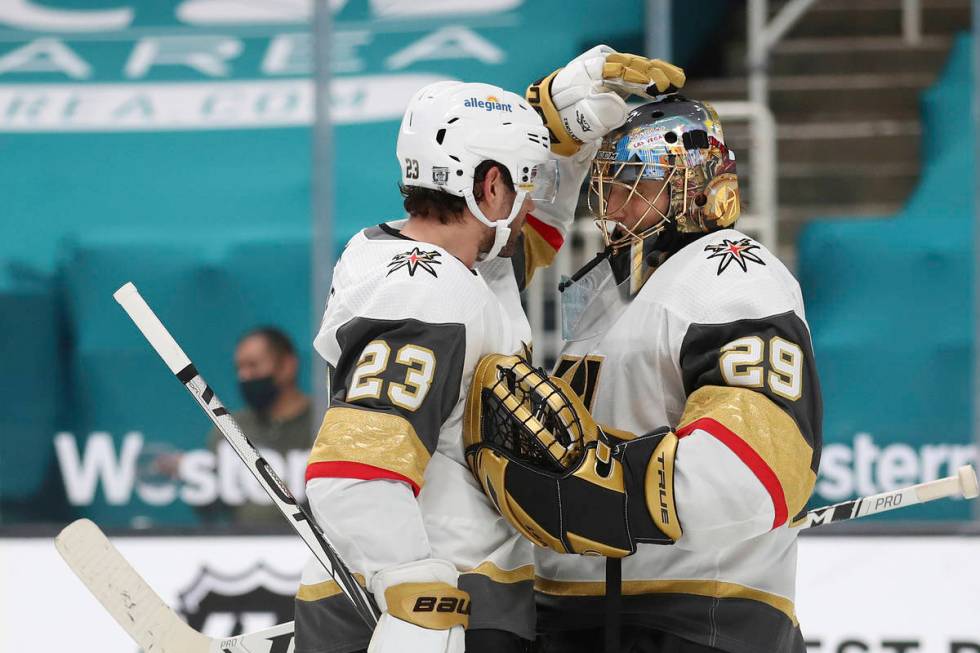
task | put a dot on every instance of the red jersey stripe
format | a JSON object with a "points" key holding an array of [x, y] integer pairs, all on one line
{"points": [[551, 235], [345, 469], [749, 457]]}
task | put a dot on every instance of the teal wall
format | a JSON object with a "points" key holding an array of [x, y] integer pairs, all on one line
{"points": [[889, 302]]}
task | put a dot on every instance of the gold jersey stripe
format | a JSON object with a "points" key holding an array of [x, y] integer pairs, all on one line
{"points": [[538, 252], [372, 438], [766, 428], [329, 588], [710, 588], [498, 575], [324, 590]]}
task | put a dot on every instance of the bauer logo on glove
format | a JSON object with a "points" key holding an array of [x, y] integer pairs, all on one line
{"points": [[429, 605]]}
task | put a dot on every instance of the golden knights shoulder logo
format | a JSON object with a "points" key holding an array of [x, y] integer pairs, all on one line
{"points": [[737, 251], [415, 260]]}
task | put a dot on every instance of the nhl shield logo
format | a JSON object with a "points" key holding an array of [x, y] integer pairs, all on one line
{"points": [[440, 176], [224, 605]]}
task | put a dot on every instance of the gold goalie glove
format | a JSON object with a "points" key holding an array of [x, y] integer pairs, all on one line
{"points": [[562, 480], [583, 101]]}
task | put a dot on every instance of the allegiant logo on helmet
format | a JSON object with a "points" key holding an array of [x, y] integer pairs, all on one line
{"points": [[490, 104]]}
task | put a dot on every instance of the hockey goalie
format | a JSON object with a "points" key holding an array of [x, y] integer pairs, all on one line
{"points": [[687, 340]]}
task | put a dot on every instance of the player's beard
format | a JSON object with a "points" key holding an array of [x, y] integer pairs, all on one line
{"points": [[510, 246]]}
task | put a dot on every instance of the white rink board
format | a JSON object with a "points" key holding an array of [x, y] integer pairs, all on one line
{"points": [[855, 595], [45, 608], [921, 591]]}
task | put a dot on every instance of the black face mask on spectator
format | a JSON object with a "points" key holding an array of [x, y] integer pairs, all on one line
{"points": [[259, 393]]}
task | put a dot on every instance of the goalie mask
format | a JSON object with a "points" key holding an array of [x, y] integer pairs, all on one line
{"points": [[675, 141], [556, 476]]}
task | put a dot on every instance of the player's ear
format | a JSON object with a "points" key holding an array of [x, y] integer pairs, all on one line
{"points": [[492, 186]]}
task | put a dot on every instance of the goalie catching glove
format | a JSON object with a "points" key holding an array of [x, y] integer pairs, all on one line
{"points": [[422, 610], [583, 101], [562, 480]]}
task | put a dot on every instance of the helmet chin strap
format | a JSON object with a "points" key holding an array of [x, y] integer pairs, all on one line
{"points": [[501, 228]]}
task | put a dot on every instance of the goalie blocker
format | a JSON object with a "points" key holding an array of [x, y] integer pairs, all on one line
{"points": [[562, 480]]}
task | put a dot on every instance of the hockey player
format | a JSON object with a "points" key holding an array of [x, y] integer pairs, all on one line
{"points": [[413, 307], [691, 335]]}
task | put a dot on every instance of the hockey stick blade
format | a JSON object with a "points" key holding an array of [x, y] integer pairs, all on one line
{"points": [[152, 624], [963, 484], [304, 525]]}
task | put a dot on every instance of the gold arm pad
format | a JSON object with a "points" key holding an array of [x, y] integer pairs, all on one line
{"points": [[373, 438], [324, 590], [769, 430]]}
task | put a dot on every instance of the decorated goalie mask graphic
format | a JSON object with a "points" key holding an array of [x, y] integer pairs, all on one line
{"points": [[675, 140]]}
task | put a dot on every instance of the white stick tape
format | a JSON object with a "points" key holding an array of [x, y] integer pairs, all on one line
{"points": [[147, 322]]}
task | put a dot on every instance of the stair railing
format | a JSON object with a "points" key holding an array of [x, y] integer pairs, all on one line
{"points": [[912, 21]]}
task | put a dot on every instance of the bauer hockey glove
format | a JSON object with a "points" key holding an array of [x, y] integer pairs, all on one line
{"points": [[583, 101], [422, 610]]}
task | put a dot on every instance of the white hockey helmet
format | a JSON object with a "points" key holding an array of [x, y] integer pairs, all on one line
{"points": [[450, 128]]}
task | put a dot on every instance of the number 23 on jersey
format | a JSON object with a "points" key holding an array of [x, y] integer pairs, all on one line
{"points": [[420, 366]]}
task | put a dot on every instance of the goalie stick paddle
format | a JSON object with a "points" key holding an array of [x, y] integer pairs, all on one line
{"points": [[139, 610], [964, 484], [178, 362]]}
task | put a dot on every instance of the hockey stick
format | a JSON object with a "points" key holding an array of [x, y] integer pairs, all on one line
{"points": [[964, 484], [178, 362], [139, 610]]}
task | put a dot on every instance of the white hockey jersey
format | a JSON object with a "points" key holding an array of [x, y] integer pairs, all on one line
{"points": [[715, 345], [404, 328]]}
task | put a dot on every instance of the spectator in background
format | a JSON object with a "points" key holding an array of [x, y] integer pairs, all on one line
{"points": [[277, 415]]}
